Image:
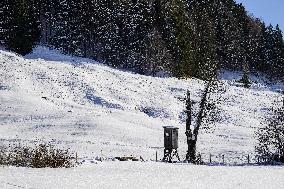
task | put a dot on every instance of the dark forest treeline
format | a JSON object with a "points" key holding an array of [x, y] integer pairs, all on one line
{"points": [[189, 38]]}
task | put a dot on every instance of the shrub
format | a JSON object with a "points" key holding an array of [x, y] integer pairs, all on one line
{"points": [[271, 138], [41, 156]]}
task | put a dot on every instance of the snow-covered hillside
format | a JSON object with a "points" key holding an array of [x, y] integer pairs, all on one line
{"points": [[101, 111], [96, 110]]}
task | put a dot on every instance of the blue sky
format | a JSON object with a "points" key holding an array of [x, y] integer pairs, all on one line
{"points": [[270, 11]]}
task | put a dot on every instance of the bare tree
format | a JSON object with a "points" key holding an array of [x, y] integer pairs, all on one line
{"points": [[208, 115]]}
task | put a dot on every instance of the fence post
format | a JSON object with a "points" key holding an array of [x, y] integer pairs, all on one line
{"points": [[248, 159], [156, 156], [210, 158], [223, 157]]}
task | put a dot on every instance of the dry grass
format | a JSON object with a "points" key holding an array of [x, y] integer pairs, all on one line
{"points": [[40, 156]]}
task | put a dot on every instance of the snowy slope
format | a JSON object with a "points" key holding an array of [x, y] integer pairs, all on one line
{"points": [[100, 111]]}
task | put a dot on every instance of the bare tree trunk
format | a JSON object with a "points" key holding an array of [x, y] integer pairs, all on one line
{"points": [[192, 136], [188, 132]]}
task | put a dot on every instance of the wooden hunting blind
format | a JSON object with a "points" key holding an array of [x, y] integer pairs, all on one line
{"points": [[170, 143], [170, 137]]}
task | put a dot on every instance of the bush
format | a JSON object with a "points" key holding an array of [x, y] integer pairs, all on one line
{"points": [[39, 157], [271, 138]]}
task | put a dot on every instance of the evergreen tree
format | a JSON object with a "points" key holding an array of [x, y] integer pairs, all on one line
{"points": [[272, 52], [87, 23], [244, 40], [278, 59], [269, 45], [204, 40], [62, 27], [3, 19], [47, 19], [111, 18], [21, 27], [173, 20], [157, 56], [226, 31], [139, 25], [184, 49], [261, 66], [245, 78]]}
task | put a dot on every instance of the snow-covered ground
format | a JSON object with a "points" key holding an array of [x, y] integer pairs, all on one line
{"points": [[96, 110], [128, 175]]}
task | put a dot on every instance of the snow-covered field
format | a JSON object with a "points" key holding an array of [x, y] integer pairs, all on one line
{"points": [[143, 175], [100, 111]]}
